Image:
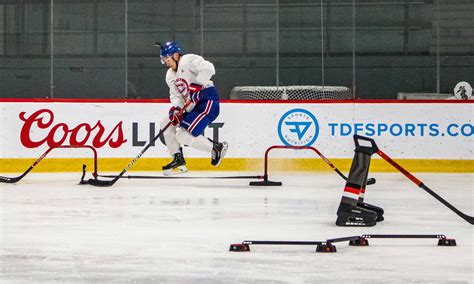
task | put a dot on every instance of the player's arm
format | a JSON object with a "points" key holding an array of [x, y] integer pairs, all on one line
{"points": [[203, 68], [204, 71], [177, 100]]}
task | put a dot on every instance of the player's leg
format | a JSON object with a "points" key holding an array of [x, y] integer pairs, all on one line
{"points": [[193, 127], [217, 149], [197, 142], [178, 164]]}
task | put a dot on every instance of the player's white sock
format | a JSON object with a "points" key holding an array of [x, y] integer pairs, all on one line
{"points": [[202, 143], [199, 142]]}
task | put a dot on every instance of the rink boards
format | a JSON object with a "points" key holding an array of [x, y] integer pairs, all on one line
{"points": [[423, 135]]}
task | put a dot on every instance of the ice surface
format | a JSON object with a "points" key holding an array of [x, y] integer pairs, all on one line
{"points": [[179, 231]]}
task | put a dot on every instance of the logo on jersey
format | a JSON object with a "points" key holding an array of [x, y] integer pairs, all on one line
{"points": [[463, 91], [298, 127], [182, 86]]}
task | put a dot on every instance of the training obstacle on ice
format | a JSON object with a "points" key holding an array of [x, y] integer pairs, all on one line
{"points": [[267, 182], [18, 178], [353, 211], [327, 246]]}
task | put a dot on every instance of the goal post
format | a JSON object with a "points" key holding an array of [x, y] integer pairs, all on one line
{"points": [[304, 92]]}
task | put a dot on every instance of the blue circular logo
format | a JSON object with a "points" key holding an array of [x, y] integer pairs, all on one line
{"points": [[298, 127]]}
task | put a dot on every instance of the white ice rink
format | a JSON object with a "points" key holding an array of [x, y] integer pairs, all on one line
{"points": [[179, 231]]}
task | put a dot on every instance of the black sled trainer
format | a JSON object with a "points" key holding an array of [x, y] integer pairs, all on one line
{"points": [[353, 212]]}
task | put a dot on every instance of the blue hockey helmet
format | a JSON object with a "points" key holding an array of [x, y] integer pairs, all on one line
{"points": [[168, 49]]}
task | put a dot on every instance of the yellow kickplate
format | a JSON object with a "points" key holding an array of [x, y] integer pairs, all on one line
{"points": [[231, 164]]}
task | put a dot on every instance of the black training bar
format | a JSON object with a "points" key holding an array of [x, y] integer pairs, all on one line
{"points": [[181, 177]]}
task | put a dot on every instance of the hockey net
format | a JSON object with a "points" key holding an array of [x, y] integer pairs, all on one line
{"points": [[291, 93]]}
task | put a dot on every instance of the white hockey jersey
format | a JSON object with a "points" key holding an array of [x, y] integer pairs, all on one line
{"points": [[192, 68]]}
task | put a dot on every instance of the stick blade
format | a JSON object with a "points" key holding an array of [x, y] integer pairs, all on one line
{"points": [[99, 183], [9, 180], [470, 219], [466, 217]]}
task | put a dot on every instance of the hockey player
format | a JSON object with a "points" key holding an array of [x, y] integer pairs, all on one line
{"points": [[189, 80]]}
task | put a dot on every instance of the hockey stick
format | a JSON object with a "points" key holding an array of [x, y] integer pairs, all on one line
{"points": [[106, 183], [370, 181], [424, 187], [18, 178]]}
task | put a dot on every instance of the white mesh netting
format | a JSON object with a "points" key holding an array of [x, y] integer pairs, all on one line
{"points": [[291, 93]]}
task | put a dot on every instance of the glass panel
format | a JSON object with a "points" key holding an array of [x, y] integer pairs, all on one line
{"points": [[2, 29], [380, 27], [418, 70], [261, 28], [300, 43], [456, 45], [421, 31], [73, 28], [149, 22], [24, 48], [12, 27], [223, 42], [111, 27], [89, 45], [396, 45], [338, 43], [36, 24], [243, 47], [393, 48]]}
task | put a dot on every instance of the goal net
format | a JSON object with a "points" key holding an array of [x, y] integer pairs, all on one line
{"points": [[291, 93]]}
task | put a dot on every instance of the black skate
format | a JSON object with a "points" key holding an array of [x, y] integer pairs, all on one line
{"points": [[376, 209], [177, 166], [348, 215], [218, 152]]}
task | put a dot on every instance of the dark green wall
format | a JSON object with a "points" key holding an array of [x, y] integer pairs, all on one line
{"points": [[399, 46]]}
